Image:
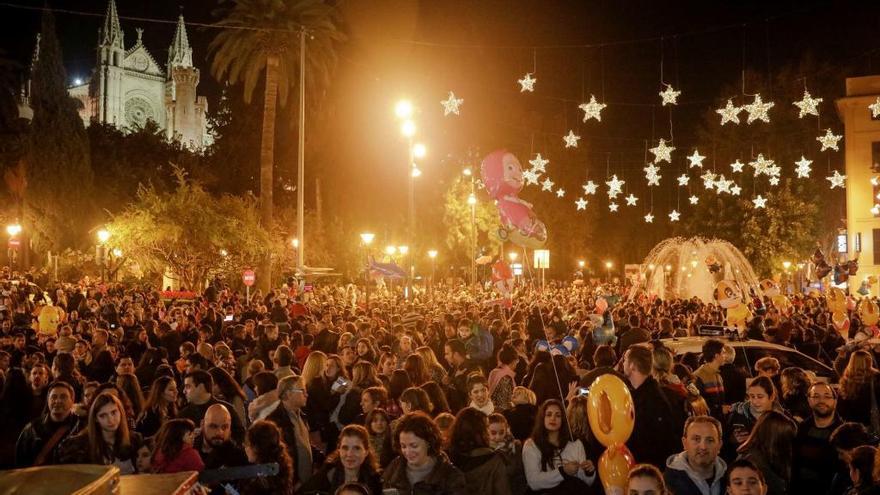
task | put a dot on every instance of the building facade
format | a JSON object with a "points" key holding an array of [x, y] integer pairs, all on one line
{"points": [[128, 87], [862, 147]]}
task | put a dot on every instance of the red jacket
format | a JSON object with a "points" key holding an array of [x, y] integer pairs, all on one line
{"points": [[187, 460]]}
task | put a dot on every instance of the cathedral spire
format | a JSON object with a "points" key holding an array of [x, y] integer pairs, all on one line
{"points": [[112, 32], [180, 53]]}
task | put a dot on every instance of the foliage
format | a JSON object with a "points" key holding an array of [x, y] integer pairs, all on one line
{"points": [[60, 179], [235, 152], [457, 219], [187, 230]]}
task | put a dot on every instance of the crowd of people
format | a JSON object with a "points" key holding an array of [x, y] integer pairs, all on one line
{"points": [[441, 393]]}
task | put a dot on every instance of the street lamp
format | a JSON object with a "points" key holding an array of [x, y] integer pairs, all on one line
{"points": [[467, 172], [366, 239], [403, 250], [295, 243], [432, 253], [390, 250], [419, 150], [512, 256], [408, 128], [581, 264], [608, 266], [13, 230], [103, 237], [472, 201], [403, 109]]}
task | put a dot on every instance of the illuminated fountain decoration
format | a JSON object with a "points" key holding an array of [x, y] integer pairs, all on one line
{"points": [[686, 268]]}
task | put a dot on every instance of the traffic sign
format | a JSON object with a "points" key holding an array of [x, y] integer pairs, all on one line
{"points": [[248, 277]]}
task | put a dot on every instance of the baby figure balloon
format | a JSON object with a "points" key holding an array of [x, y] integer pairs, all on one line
{"points": [[502, 176]]}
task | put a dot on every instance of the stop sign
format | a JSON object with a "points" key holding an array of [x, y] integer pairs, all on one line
{"points": [[248, 277]]}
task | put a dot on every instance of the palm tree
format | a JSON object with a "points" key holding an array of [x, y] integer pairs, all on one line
{"points": [[260, 36]]}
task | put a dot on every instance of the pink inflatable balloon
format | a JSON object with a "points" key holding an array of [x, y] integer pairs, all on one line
{"points": [[501, 173]]}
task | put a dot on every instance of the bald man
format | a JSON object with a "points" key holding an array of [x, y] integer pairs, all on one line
{"points": [[215, 443]]}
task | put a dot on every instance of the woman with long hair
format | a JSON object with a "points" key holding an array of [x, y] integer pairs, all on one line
{"points": [[106, 439], [64, 369], [421, 466], [856, 384], [553, 460], [502, 379], [415, 399], [161, 405], [415, 367], [128, 383], [226, 388], [264, 444], [579, 425], [439, 404], [435, 369], [770, 447], [313, 366], [484, 469], [365, 351], [761, 397], [378, 424], [174, 450], [363, 375], [353, 461]]}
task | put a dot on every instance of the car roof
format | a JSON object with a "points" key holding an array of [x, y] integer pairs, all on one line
{"points": [[695, 344]]}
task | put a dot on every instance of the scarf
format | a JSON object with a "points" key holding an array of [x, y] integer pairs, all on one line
{"points": [[488, 409], [497, 374]]}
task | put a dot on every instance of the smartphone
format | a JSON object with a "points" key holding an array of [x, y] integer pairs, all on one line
{"points": [[339, 384], [583, 391], [228, 318]]}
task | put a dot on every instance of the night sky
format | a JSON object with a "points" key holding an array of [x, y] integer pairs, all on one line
{"points": [[478, 49]]}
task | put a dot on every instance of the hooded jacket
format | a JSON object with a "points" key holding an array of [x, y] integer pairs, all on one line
{"points": [[683, 480]]}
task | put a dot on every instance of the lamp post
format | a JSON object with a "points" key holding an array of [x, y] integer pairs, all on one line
{"points": [[103, 237], [786, 265], [14, 242], [404, 111], [433, 255], [472, 201], [608, 266], [366, 239]]}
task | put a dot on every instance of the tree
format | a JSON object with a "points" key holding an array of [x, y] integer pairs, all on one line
{"points": [[262, 38], [457, 219], [191, 232], [59, 176]]}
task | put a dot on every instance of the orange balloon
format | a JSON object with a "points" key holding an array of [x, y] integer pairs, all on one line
{"points": [[869, 312], [610, 410], [614, 466]]}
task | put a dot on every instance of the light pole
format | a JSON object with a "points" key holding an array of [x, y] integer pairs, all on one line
{"points": [[103, 237], [366, 239], [786, 265], [404, 111], [472, 201], [433, 255], [14, 242], [608, 266]]}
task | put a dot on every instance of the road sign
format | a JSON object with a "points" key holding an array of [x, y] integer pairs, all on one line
{"points": [[248, 277]]}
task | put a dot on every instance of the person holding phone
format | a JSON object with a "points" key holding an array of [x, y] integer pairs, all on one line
{"points": [[555, 462]]}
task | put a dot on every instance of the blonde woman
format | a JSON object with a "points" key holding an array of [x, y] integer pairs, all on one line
{"points": [[435, 369], [859, 387], [313, 366]]}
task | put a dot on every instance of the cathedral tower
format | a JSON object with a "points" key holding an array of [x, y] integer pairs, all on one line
{"points": [[111, 56], [184, 110]]}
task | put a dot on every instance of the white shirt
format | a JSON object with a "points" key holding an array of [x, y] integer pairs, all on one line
{"points": [[539, 479]]}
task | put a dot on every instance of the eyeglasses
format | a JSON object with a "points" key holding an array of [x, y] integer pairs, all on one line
{"points": [[821, 397]]}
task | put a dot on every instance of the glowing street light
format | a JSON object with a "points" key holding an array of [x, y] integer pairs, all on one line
{"points": [[403, 109], [224, 253], [408, 128], [419, 150], [512, 255], [13, 229], [472, 199], [367, 238], [103, 235], [467, 172], [390, 250], [403, 250], [608, 266], [295, 243], [432, 253], [117, 252], [581, 263], [415, 172], [786, 265]]}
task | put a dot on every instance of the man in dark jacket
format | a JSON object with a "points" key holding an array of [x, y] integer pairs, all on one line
{"points": [[288, 416], [697, 470], [39, 440], [815, 459], [653, 438]]}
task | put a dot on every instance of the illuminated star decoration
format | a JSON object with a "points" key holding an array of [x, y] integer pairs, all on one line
{"points": [[829, 140], [527, 83], [560, 193], [735, 190], [631, 200], [875, 108], [758, 110], [539, 164], [612, 206], [663, 153], [649, 218], [530, 177], [730, 113], [808, 105], [708, 180], [571, 140], [669, 95], [803, 168], [737, 166], [836, 180], [696, 159], [547, 185], [581, 204], [673, 216], [593, 109], [683, 180], [694, 200], [652, 175], [451, 104], [774, 181], [760, 164], [615, 186], [590, 187], [760, 201], [722, 185]]}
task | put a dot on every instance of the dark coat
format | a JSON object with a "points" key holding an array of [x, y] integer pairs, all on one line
{"points": [[332, 476], [521, 418], [444, 479], [282, 420], [35, 435], [484, 471], [653, 438]]}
